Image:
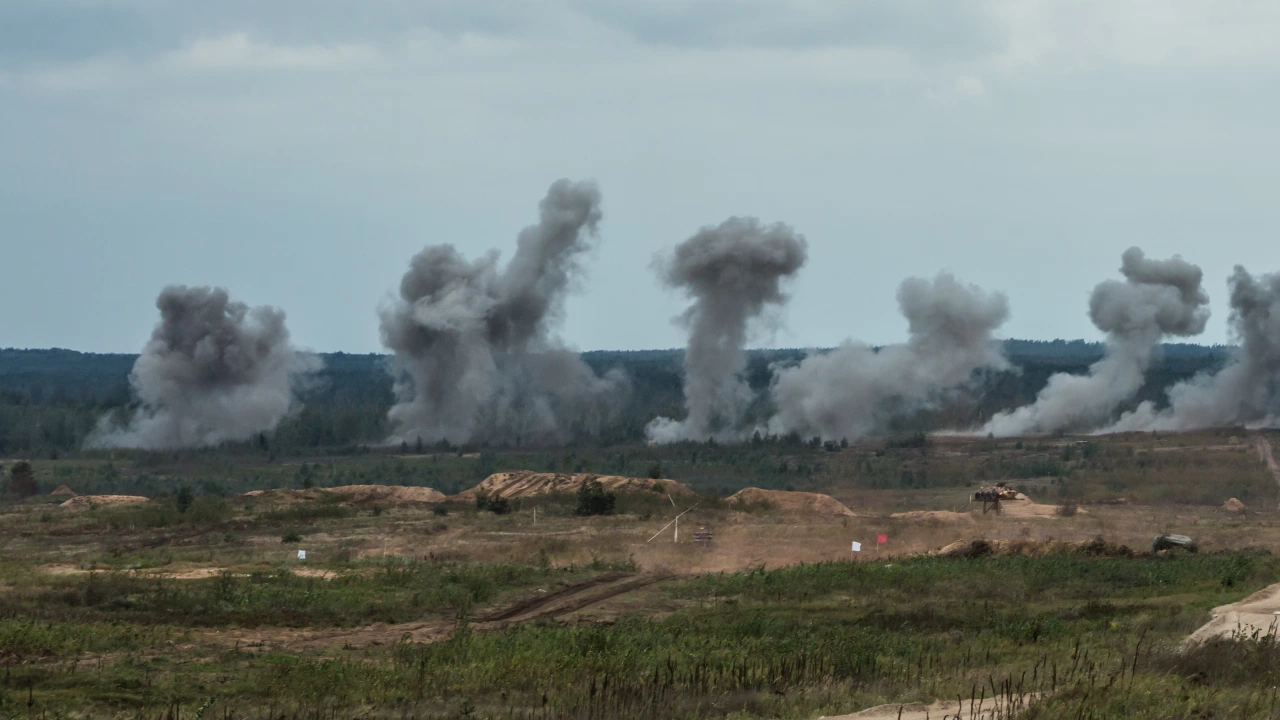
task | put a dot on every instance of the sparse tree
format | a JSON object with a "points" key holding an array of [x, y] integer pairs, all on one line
{"points": [[184, 499]]}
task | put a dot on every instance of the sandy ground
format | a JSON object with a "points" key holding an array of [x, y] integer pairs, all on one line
{"points": [[84, 501], [935, 516], [790, 501], [998, 709], [1259, 613]]}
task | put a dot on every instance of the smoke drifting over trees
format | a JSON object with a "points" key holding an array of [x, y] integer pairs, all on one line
{"points": [[734, 273], [1247, 390], [1157, 298], [856, 390], [214, 371], [476, 358]]}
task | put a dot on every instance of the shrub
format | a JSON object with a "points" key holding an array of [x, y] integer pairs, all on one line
{"points": [[497, 505], [1067, 509], [593, 499], [440, 510], [22, 480], [655, 472], [291, 536]]}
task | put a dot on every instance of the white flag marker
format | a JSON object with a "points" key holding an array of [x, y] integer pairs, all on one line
{"points": [[302, 554], [857, 547]]}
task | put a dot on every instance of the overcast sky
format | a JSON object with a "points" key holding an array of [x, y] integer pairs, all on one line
{"points": [[299, 152]]}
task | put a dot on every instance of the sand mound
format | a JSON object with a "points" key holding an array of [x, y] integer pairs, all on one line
{"points": [[936, 517], [527, 484], [84, 501], [789, 501], [1234, 506], [1031, 548], [63, 490]]}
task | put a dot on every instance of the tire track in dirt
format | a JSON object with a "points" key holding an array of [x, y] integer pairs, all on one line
{"points": [[549, 607], [581, 601], [542, 601], [1264, 452]]}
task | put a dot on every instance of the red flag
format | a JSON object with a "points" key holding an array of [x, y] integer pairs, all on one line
{"points": [[882, 539]]}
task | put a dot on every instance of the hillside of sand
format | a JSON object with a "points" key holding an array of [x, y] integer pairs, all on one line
{"points": [[791, 501], [527, 484], [84, 501]]}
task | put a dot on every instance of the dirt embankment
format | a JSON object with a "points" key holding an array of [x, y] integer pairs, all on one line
{"points": [[528, 484], [1031, 548], [85, 501], [359, 494], [790, 501]]}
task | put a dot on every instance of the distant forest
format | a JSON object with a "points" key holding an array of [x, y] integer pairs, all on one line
{"points": [[50, 400]]}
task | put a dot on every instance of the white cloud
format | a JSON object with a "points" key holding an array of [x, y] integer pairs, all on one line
{"points": [[237, 51]]}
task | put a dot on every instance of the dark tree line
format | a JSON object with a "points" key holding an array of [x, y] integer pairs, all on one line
{"points": [[51, 400]]}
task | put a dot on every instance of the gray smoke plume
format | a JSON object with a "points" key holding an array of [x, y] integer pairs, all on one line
{"points": [[1157, 298], [856, 390], [214, 371], [1247, 390], [733, 273], [475, 358]]}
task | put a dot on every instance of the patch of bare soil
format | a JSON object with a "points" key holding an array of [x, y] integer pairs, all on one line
{"points": [[85, 501], [935, 516], [998, 708], [63, 491], [527, 484], [1259, 613], [790, 501]]}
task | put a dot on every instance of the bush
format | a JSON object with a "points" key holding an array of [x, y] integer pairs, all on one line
{"points": [[593, 499], [291, 536], [497, 506], [655, 472], [1067, 509], [440, 510], [22, 480]]}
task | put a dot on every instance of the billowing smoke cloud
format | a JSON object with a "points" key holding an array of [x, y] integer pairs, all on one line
{"points": [[733, 273], [1247, 390], [1157, 298], [475, 358], [214, 371], [855, 390]]}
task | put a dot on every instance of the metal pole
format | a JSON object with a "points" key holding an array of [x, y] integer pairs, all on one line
{"points": [[677, 535]]}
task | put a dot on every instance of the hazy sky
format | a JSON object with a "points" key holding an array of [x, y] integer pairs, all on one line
{"points": [[299, 152]]}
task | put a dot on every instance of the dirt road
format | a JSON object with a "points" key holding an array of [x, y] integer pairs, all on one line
{"points": [[548, 606]]}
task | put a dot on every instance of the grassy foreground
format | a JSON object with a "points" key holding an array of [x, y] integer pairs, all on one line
{"points": [[1089, 636]]}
